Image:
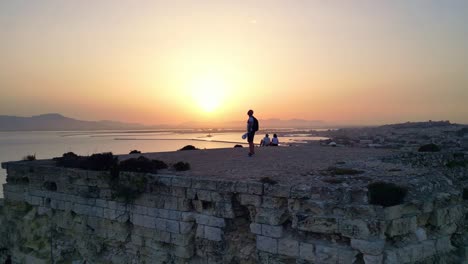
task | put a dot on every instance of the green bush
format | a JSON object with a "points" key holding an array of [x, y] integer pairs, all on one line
{"points": [[135, 152], [429, 148], [99, 162], [268, 180], [386, 194], [181, 166], [189, 147], [141, 164], [30, 157]]}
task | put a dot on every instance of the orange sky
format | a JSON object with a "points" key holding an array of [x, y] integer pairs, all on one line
{"points": [[370, 62]]}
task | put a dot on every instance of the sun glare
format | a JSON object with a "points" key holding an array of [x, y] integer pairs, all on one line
{"points": [[209, 92]]}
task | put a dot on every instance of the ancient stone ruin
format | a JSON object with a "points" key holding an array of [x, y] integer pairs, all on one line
{"points": [[64, 215]]}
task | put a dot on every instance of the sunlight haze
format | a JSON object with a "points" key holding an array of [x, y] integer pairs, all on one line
{"points": [[154, 62]]}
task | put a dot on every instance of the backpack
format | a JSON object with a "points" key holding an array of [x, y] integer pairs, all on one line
{"points": [[255, 124]]}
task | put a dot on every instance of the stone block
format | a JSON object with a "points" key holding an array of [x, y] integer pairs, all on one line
{"points": [[37, 201], [204, 195], [224, 210], [138, 209], [288, 247], [185, 182], [393, 212], [355, 228], [267, 244], [186, 227], [165, 180], [171, 203], [255, 188], [178, 192], [250, 199], [161, 236], [443, 245], [326, 254], [256, 228], [277, 190], [182, 239], [317, 224], [191, 193], [402, 226], [274, 202], [200, 232], [240, 187], [226, 186], [183, 204], [204, 184], [272, 231], [213, 233], [101, 203], [172, 226], [184, 251], [373, 259], [369, 247], [143, 220], [446, 216], [300, 191], [307, 251], [271, 216]]}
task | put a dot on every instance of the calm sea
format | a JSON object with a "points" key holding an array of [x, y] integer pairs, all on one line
{"points": [[46, 145]]}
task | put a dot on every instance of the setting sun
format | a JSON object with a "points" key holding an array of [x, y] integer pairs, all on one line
{"points": [[208, 92]]}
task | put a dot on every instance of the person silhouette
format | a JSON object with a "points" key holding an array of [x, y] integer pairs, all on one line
{"points": [[252, 127], [265, 141], [274, 141]]}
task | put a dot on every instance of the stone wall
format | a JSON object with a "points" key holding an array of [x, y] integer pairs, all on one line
{"points": [[58, 215]]}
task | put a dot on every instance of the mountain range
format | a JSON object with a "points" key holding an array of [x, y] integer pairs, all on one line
{"points": [[58, 122]]}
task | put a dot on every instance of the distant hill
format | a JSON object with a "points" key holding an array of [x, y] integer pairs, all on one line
{"points": [[264, 123], [58, 122], [48, 122]]}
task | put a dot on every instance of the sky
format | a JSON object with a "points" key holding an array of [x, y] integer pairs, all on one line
{"points": [[152, 62]]}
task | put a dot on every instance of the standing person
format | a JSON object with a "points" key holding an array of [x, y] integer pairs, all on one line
{"points": [[252, 127], [265, 141], [274, 140]]}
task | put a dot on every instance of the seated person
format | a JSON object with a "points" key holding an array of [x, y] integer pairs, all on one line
{"points": [[265, 141], [274, 141]]}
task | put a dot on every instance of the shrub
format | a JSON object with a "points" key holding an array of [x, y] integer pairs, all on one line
{"points": [[135, 152], [429, 148], [99, 162], [141, 164], [268, 180], [386, 194], [189, 147], [181, 166], [30, 157], [129, 189], [69, 160]]}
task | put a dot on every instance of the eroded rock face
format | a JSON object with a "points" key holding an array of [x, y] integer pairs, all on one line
{"points": [[183, 219]]}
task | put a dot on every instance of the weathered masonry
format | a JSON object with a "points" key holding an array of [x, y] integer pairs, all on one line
{"points": [[58, 215]]}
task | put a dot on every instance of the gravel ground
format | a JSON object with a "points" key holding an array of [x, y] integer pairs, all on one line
{"points": [[283, 164]]}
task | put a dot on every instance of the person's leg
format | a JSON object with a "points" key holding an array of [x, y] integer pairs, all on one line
{"points": [[251, 144]]}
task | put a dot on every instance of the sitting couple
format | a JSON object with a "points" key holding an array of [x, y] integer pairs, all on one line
{"points": [[266, 141]]}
